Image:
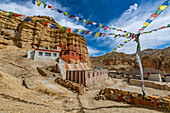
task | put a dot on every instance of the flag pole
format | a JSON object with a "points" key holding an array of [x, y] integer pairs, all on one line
{"points": [[139, 56]]}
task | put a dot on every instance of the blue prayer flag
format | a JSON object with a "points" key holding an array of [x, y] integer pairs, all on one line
{"points": [[59, 11], [33, 1], [76, 30], [54, 26], [28, 19]]}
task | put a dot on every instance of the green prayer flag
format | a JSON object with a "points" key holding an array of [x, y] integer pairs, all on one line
{"points": [[10, 14], [64, 28], [69, 15], [158, 12], [115, 36], [45, 5], [168, 25], [83, 31], [103, 26], [88, 21], [144, 27], [100, 34], [38, 20], [138, 47]]}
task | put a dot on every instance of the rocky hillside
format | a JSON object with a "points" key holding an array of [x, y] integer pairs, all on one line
{"points": [[151, 58], [26, 35]]}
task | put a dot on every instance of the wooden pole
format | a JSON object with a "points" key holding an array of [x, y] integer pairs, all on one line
{"points": [[139, 56]]}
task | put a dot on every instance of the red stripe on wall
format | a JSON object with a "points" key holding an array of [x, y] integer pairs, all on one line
{"points": [[84, 79], [78, 76], [67, 75], [81, 77], [70, 75], [74, 76]]}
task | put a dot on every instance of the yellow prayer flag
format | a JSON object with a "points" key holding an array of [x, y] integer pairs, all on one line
{"points": [[113, 50], [97, 34], [65, 13], [163, 7], [113, 34], [127, 40], [38, 2], [4, 11], [149, 31], [120, 46], [146, 24], [33, 19], [127, 34], [101, 25], [84, 20], [79, 30]]}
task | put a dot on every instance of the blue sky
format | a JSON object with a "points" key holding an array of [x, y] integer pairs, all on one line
{"points": [[128, 15]]}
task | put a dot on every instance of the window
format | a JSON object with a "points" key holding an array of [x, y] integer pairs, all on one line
{"points": [[88, 75], [72, 54], [40, 53], [47, 54], [55, 54], [93, 74]]}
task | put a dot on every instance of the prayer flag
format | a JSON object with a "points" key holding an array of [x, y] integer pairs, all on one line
{"points": [[28, 19], [83, 31], [38, 2], [16, 15], [49, 25], [84, 20], [72, 30], [115, 36], [158, 12], [68, 29], [86, 32], [148, 21], [146, 24], [49, 6], [76, 30], [168, 25], [10, 14], [33, 19], [33, 1], [144, 27], [97, 34], [0, 10], [165, 3], [73, 16], [97, 25], [127, 34], [54, 26], [4, 11], [59, 11], [38, 20], [93, 33], [104, 34], [45, 24], [23, 18], [64, 28], [69, 16], [90, 33], [94, 23], [100, 34], [77, 18], [79, 30], [154, 15], [105, 28], [53, 8], [101, 25], [65, 13], [45, 5], [163, 7], [90, 22]]}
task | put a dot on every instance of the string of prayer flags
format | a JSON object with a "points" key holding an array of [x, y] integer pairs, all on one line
{"points": [[156, 29], [78, 18], [96, 34], [153, 16]]}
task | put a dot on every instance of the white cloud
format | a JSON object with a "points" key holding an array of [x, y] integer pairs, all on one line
{"points": [[93, 51], [131, 8], [30, 9], [135, 20]]}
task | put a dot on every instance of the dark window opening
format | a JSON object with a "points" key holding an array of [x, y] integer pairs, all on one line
{"points": [[47, 54], [55, 54], [40, 53], [72, 54]]}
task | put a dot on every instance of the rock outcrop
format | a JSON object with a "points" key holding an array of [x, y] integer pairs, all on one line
{"points": [[158, 59], [30, 34]]}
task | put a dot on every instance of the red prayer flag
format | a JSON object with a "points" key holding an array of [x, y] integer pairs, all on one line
{"points": [[68, 29], [90, 22], [16, 15], [154, 15], [104, 34], [86, 32], [45, 24], [141, 29], [163, 27], [120, 30], [123, 44], [118, 34], [73, 16], [106, 28], [49, 6]]}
